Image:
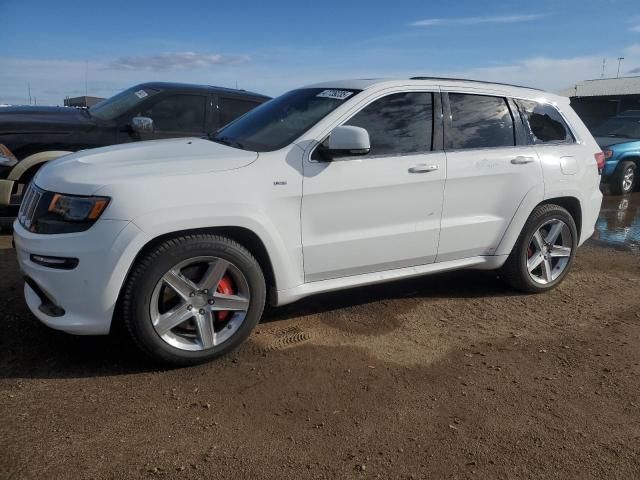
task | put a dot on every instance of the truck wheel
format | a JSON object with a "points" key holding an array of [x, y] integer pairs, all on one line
{"points": [[544, 251], [624, 179], [193, 298]]}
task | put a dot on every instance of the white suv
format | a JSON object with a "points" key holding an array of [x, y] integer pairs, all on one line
{"points": [[327, 187]]}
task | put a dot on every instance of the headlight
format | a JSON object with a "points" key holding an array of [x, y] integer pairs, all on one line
{"points": [[48, 213], [78, 209], [7, 159]]}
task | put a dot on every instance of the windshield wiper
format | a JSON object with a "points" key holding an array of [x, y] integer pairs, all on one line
{"points": [[227, 141]]}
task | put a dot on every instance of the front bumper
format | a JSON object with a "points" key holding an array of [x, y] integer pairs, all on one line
{"points": [[87, 295]]}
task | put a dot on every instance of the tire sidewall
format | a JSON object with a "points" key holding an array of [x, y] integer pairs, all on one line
{"points": [[533, 226], [147, 278]]}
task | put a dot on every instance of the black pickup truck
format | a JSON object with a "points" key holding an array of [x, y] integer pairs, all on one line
{"points": [[33, 135]]}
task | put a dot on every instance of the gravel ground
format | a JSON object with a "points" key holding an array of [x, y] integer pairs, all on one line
{"points": [[449, 376]]}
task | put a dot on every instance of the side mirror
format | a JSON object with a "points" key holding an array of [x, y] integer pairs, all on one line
{"points": [[348, 140], [142, 125]]}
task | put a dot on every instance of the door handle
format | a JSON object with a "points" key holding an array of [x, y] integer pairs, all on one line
{"points": [[521, 160], [423, 168]]}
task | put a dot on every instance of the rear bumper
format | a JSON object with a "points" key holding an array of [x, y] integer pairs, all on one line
{"points": [[81, 300], [590, 213]]}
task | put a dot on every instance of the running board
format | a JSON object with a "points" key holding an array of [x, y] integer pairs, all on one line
{"points": [[284, 297]]}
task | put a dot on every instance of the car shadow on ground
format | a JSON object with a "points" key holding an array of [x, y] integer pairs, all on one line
{"points": [[29, 349], [458, 284]]}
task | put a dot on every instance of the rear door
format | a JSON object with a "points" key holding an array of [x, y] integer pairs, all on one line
{"points": [[490, 169]]}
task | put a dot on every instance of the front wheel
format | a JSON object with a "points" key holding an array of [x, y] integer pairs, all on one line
{"points": [[544, 250], [624, 180], [193, 298]]}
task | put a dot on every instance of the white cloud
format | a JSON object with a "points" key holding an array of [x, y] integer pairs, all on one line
{"points": [[277, 71], [633, 49], [177, 61], [635, 29], [431, 22]]}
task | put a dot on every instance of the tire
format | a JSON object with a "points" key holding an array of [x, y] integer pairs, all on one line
{"points": [[153, 280], [526, 251], [624, 179]]}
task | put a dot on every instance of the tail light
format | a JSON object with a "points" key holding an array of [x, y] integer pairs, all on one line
{"points": [[600, 159]]}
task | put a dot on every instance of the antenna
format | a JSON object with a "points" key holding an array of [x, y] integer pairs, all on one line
{"points": [[619, 62], [86, 77], [29, 92], [604, 62]]}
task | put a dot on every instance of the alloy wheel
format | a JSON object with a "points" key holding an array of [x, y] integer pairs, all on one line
{"points": [[199, 303], [549, 251], [627, 179]]}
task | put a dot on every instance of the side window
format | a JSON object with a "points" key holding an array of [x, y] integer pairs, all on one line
{"points": [[399, 123], [178, 113], [232, 108], [479, 121], [546, 125]]}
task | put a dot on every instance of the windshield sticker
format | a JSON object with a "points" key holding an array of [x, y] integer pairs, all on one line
{"points": [[141, 94], [335, 94]]}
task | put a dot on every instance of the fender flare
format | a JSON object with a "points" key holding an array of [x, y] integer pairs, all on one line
{"points": [[533, 198], [32, 160]]}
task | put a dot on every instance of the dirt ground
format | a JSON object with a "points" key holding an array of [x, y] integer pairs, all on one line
{"points": [[450, 376]]}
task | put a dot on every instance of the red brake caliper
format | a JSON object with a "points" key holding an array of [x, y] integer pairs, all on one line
{"points": [[225, 287]]}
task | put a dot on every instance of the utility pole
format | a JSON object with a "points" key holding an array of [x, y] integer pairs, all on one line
{"points": [[604, 62], [619, 62], [29, 92]]}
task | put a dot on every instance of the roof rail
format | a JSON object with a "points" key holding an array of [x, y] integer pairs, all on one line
{"points": [[474, 81]]}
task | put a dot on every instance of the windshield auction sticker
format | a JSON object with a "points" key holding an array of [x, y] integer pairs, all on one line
{"points": [[335, 94], [141, 94]]}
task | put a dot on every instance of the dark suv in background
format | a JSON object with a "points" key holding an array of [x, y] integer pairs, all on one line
{"points": [[33, 135]]}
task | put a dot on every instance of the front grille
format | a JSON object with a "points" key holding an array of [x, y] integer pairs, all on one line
{"points": [[29, 206]]}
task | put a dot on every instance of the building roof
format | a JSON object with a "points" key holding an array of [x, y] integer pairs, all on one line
{"points": [[600, 87], [84, 97]]}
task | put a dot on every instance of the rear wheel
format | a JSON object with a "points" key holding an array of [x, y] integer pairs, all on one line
{"points": [[544, 250], [624, 179], [193, 298]]}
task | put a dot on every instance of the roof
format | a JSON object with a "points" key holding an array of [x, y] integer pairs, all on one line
{"points": [[600, 87], [473, 85], [204, 88]]}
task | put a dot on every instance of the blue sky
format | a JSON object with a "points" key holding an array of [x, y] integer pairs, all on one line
{"points": [[271, 47]]}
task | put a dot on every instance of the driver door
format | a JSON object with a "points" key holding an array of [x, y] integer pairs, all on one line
{"points": [[379, 211]]}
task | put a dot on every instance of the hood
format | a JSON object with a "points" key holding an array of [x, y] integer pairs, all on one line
{"points": [[604, 142], [86, 171], [33, 119]]}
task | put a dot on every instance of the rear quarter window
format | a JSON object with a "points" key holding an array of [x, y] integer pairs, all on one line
{"points": [[544, 123]]}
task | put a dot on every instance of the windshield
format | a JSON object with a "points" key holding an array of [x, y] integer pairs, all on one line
{"points": [[113, 107], [280, 121], [624, 127]]}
